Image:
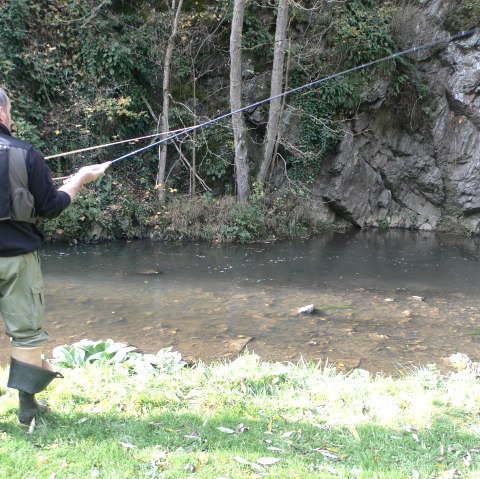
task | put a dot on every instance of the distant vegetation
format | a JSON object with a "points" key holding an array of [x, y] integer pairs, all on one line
{"points": [[86, 73]]}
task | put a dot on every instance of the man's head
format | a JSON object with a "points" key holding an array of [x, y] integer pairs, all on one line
{"points": [[5, 112]]}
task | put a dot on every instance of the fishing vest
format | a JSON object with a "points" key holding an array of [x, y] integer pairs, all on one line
{"points": [[16, 201]]}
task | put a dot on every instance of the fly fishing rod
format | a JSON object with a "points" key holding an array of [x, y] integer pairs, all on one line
{"points": [[299, 88], [186, 130]]}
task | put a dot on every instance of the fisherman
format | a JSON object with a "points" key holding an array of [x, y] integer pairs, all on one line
{"points": [[27, 193]]}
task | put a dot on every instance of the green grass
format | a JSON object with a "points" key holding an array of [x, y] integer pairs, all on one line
{"points": [[246, 419]]}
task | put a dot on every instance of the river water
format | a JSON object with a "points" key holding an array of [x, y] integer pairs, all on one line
{"points": [[383, 301]]}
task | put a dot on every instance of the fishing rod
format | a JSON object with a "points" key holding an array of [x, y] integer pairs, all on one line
{"points": [[425, 46], [183, 131]]}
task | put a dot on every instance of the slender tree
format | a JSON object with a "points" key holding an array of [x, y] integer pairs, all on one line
{"points": [[271, 136], [239, 127], [177, 8]]}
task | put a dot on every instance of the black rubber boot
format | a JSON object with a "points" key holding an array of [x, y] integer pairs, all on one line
{"points": [[29, 380], [29, 407]]}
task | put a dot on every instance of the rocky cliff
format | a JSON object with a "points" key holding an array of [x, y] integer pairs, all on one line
{"points": [[392, 169]]}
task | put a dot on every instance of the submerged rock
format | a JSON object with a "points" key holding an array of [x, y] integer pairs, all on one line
{"points": [[238, 345], [146, 272]]}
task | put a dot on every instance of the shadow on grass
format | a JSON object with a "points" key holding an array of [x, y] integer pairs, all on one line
{"points": [[165, 444]]}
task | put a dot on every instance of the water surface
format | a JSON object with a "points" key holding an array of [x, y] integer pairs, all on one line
{"points": [[207, 300]]}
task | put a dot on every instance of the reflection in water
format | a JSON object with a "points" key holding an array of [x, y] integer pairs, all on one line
{"points": [[207, 300]]}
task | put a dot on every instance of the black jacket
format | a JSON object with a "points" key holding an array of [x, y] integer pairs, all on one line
{"points": [[20, 238]]}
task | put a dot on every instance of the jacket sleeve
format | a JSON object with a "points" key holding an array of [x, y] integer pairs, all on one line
{"points": [[49, 202]]}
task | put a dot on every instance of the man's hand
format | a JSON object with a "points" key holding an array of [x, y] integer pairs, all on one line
{"points": [[83, 176], [91, 172]]}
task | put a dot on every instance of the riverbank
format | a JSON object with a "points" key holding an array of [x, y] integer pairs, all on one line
{"points": [[246, 419], [130, 213]]}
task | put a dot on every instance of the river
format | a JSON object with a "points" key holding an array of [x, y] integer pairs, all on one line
{"points": [[383, 301]]}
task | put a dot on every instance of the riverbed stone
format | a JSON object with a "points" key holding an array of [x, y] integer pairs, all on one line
{"points": [[348, 363], [308, 309]]}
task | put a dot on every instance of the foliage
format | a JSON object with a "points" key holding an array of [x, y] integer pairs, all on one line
{"points": [[359, 32], [86, 352], [71, 224], [462, 15], [109, 209], [86, 73], [247, 218], [363, 31], [384, 225], [257, 38], [284, 214], [322, 111]]}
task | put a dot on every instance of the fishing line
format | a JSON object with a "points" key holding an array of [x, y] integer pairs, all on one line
{"points": [[97, 147]]}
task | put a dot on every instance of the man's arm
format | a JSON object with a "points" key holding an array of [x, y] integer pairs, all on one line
{"points": [[82, 177]]}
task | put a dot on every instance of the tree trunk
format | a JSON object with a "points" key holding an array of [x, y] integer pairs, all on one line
{"points": [[271, 136], [239, 127], [166, 100], [193, 171]]}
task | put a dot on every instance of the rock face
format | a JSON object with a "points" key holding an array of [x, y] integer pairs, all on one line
{"points": [[392, 170]]}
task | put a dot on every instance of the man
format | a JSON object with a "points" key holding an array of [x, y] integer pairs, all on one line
{"points": [[27, 193]]}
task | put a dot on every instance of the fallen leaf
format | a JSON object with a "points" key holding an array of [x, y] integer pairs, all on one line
{"points": [[127, 445], [241, 428], [450, 474], [330, 455], [241, 460], [225, 429], [354, 433], [267, 461], [270, 426], [31, 428], [331, 471]]}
